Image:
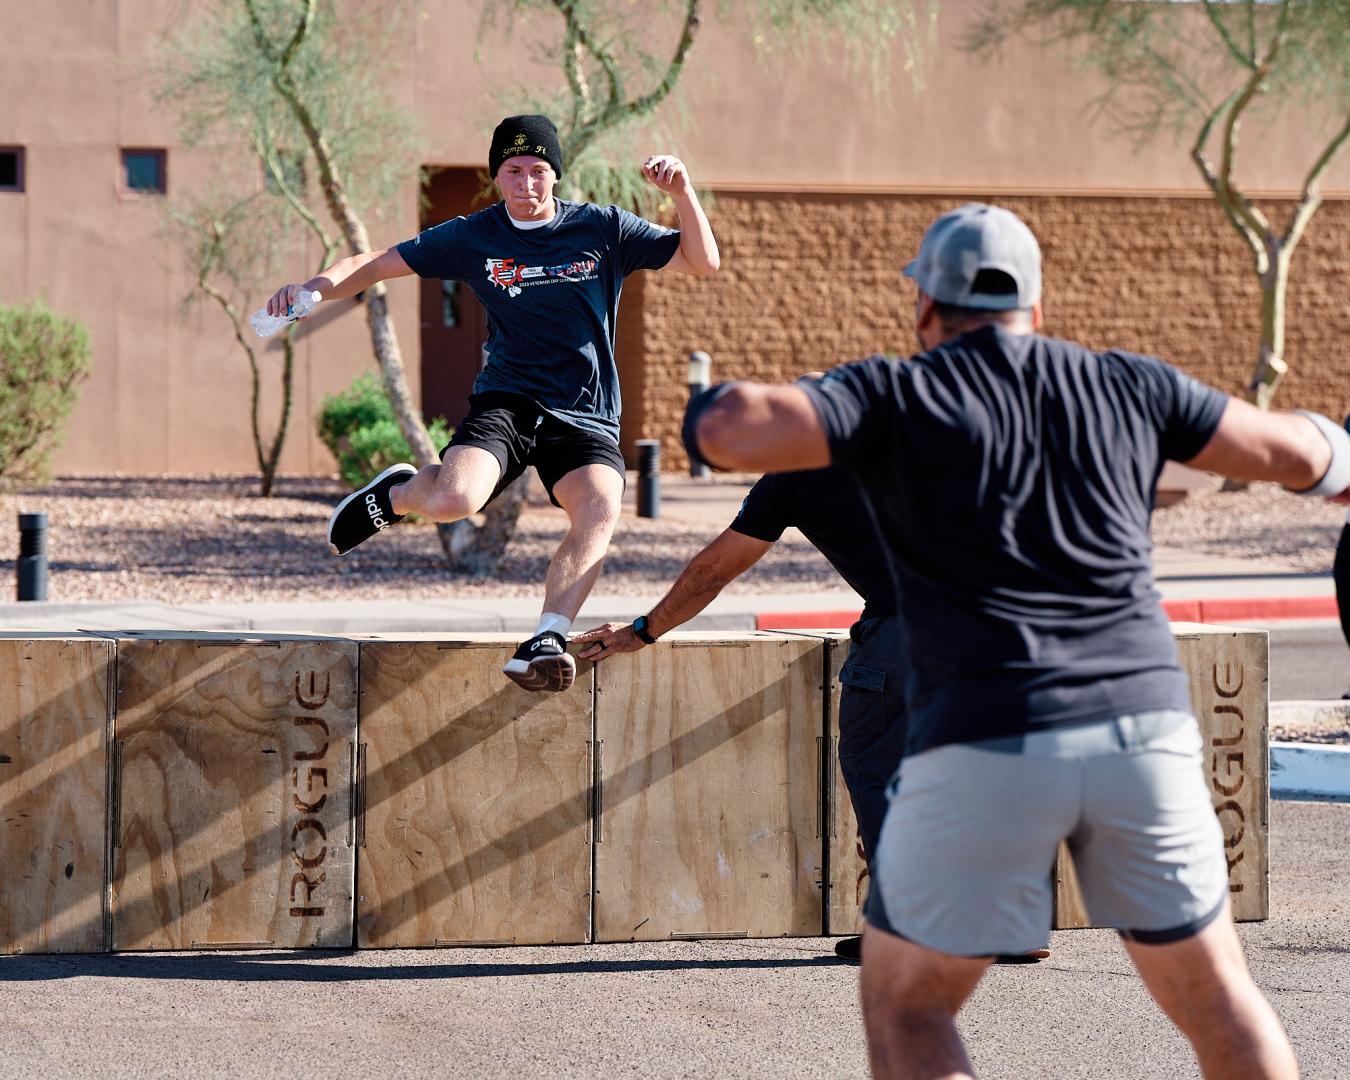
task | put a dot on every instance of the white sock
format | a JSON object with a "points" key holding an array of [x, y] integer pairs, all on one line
{"points": [[551, 620]]}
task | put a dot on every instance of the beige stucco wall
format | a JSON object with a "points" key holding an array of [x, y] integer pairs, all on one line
{"points": [[169, 390]]}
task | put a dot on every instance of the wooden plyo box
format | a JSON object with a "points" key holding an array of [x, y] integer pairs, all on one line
{"points": [[846, 874], [709, 789], [475, 799], [232, 800], [55, 717], [1230, 694]]}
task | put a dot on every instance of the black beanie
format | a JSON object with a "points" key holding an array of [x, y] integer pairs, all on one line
{"points": [[531, 134]]}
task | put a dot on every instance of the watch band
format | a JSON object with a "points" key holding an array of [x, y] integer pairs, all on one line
{"points": [[640, 630]]}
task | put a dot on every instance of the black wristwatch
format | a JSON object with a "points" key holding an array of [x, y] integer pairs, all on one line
{"points": [[640, 630]]}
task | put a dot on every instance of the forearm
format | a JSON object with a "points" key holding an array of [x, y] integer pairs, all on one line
{"points": [[695, 588], [347, 277], [697, 243]]}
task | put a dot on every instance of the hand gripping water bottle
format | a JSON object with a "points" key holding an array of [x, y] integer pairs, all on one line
{"points": [[265, 325]]}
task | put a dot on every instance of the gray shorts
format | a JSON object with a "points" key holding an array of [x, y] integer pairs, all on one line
{"points": [[967, 852]]}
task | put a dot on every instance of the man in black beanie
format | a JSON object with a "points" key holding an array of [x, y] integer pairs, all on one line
{"points": [[549, 273]]}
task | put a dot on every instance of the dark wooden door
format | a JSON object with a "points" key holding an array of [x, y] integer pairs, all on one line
{"points": [[454, 325]]}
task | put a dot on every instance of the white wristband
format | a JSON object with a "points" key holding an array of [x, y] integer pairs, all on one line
{"points": [[1337, 477]]}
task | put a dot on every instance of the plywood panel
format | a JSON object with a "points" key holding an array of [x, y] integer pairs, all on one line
{"points": [[55, 712], [710, 794], [476, 800], [849, 879], [1229, 671], [232, 813]]}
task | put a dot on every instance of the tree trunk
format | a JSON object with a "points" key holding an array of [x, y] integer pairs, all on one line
{"points": [[1270, 364]]}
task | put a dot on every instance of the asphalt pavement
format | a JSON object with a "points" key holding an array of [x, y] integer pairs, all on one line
{"points": [[782, 1007]]}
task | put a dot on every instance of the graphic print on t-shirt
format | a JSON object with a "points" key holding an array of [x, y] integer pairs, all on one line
{"points": [[509, 275]]}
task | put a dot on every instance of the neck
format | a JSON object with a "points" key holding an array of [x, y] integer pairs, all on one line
{"points": [[546, 212]]}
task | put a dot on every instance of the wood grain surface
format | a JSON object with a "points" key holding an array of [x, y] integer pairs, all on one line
{"points": [[55, 716], [710, 789], [1229, 671], [232, 811], [475, 800]]}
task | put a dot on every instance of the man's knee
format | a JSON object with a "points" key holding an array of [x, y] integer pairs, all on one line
{"points": [[592, 497]]}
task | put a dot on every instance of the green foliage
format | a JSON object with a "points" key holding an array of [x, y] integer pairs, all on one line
{"points": [[42, 357], [359, 427], [220, 81], [621, 62]]}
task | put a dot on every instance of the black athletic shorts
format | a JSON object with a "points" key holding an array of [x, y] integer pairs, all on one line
{"points": [[518, 433]]}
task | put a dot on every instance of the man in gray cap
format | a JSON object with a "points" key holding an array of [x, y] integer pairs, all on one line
{"points": [[1012, 478]]}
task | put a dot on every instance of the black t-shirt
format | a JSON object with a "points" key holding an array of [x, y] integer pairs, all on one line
{"points": [[552, 297], [1012, 478], [829, 509]]}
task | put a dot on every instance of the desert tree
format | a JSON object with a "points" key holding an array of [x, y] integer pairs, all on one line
{"points": [[1206, 68]]}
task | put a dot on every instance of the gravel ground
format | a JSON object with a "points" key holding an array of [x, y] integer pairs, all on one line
{"points": [[1265, 522], [199, 539]]}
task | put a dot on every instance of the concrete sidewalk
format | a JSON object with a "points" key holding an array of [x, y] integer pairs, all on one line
{"points": [[1196, 587]]}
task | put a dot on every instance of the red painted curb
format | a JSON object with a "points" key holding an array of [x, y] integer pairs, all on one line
{"points": [[1255, 608]]}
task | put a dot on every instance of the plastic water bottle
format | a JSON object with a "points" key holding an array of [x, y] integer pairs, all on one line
{"points": [[265, 325]]}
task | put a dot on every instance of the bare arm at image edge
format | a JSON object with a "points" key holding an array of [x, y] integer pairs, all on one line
{"points": [[699, 583], [1251, 444]]}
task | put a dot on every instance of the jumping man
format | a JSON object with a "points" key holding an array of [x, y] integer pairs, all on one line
{"points": [[549, 274]]}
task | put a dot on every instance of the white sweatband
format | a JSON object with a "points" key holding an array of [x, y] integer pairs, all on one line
{"points": [[1337, 477]]}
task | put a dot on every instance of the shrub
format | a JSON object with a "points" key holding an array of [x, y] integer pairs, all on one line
{"points": [[42, 357], [358, 425]]}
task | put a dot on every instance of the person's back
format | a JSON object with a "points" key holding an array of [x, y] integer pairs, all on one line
{"points": [[1022, 471], [1013, 476]]}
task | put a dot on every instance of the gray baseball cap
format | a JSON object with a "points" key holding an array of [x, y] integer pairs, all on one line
{"points": [[975, 237]]}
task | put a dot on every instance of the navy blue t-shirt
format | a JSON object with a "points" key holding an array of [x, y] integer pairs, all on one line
{"points": [[1012, 478], [551, 295], [829, 509]]}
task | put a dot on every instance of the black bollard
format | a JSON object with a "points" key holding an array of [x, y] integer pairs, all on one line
{"points": [[700, 378], [649, 478], [32, 565]]}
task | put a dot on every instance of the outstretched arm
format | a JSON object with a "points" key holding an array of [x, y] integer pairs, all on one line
{"points": [[1251, 444], [344, 278], [760, 428], [708, 573], [698, 254]]}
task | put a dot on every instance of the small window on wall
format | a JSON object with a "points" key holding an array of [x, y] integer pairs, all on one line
{"points": [[143, 172], [11, 168]]}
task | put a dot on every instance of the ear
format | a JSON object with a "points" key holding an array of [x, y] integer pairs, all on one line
{"points": [[1037, 317], [925, 317]]}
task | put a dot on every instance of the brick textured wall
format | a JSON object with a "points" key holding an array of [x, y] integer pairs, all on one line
{"points": [[808, 281]]}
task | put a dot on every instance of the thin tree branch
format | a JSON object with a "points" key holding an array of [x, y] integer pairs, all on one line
{"points": [[1211, 9], [640, 106], [301, 29], [1255, 220], [568, 10], [1312, 188], [1206, 167], [266, 149]]}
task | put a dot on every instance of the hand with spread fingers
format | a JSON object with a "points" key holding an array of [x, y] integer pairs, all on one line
{"points": [[667, 173], [608, 640]]}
